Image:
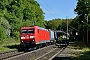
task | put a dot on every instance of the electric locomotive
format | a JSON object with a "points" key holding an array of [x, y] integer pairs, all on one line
{"points": [[33, 36]]}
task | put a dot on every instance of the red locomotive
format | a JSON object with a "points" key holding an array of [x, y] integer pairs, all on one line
{"points": [[34, 36]]}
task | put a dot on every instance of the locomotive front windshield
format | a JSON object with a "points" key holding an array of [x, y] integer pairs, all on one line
{"points": [[29, 31]]}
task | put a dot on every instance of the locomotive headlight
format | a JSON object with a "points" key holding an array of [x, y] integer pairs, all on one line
{"points": [[22, 37], [22, 41], [33, 40], [31, 36]]}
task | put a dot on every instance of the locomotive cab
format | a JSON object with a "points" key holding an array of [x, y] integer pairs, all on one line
{"points": [[27, 37]]}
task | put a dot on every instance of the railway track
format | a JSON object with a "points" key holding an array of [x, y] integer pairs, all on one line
{"points": [[8, 54], [45, 53], [63, 53], [50, 55], [15, 55]]}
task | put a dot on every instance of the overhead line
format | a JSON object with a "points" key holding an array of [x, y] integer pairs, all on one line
{"points": [[46, 8], [49, 7], [73, 28]]}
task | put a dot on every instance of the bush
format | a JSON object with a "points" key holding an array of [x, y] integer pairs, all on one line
{"points": [[16, 35], [2, 33]]}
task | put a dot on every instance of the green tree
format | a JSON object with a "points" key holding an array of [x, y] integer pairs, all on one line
{"points": [[5, 24], [19, 13], [33, 13], [2, 32], [54, 23], [83, 10]]}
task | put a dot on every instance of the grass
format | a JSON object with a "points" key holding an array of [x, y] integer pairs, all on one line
{"points": [[8, 44], [83, 55], [82, 52]]}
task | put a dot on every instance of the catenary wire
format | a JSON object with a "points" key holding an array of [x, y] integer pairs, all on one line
{"points": [[50, 7], [46, 9]]}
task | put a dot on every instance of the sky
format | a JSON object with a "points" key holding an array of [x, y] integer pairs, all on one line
{"points": [[54, 9]]}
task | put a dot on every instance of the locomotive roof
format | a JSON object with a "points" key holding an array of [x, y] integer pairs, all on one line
{"points": [[26, 27], [42, 28], [29, 27]]}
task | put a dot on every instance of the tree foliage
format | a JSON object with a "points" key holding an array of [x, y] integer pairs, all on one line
{"points": [[6, 26], [83, 9], [2, 32], [80, 21], [58, 24], [17, 13]]}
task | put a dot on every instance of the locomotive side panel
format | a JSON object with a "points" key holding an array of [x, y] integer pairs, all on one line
{"points": [[43, 36]]}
